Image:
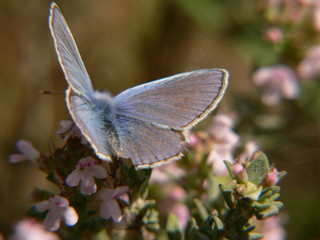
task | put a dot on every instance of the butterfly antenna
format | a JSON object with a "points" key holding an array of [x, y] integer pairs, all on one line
{"points": [[50, 92]]}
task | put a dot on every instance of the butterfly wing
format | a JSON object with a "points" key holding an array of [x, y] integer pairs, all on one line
{"points": [[94, 122], [68, 54], [148, 145], [151, 116], [177, 102]]}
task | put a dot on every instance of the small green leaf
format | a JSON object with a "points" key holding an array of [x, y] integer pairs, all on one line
{"points": [[258, 168], [255, 236], [228, 194], [271, 211], [229, 167], [201, 209], [191, 230], [173, 229]]}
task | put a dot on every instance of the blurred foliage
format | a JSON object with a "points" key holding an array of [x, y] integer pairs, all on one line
{"points": [[124, 43]]}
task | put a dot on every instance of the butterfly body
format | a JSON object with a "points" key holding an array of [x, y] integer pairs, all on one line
{"points": [[144, 123]]}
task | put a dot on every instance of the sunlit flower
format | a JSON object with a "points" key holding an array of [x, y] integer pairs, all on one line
{"points": [[85, 172], [225, 140], [29, 229], [310, 65], [69, 129], [109, 207], [278, 81], [28, 152], [58, 209]]}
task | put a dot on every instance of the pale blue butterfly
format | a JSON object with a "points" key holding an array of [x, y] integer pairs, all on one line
{"points": [[144, 123]]}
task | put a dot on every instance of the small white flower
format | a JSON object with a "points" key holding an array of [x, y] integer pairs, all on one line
{"points": [[165, 173], [85, 172], [278, 81], [28, 152], [69, 129], [225, 140], [58, 209], [249, 149], [29, 229], [310, 65], [109, 207]]}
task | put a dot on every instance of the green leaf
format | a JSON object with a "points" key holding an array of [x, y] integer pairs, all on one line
{"points": [[192, 228], [201, 209], [228, 194], [258, 168], [173, 229], [271, 211], [229, 167], [255, 236]]}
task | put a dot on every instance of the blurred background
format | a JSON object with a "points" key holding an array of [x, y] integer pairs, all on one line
{"points": [[124, 43]]}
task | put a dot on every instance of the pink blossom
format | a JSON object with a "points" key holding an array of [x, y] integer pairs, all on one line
{"points": [[272, 177], [274, 34], [225, 140], [309, 67], [28, 152], [58, 209], [29, 229], [316, 16], [69, 130], [278, 81], [165, 173], [249, 149], [182, 213], [192, 140], [237, 168], [109, 207], [85, 172], [272, 228]]}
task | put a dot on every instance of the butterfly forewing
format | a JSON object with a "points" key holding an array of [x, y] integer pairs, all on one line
{"points": [[176, 102], [68, 54]]}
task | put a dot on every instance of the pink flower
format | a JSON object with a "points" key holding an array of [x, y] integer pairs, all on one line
{"points": [[68, 130], [310, 65], [182, 213], [278, 81], [58, 209], [109, 207], [272, 177], [225, 140], [192, 139], [249, 149], [272, 228], [85, 172], [28, 152], [237, 168], [316, 16], [274, 34], [165, 173], [29, 229]]}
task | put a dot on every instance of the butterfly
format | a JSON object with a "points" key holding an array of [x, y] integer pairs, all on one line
{"points": [[144, 123]]}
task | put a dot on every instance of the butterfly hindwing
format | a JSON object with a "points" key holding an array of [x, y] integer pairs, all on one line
{"points": [[146, 144]]}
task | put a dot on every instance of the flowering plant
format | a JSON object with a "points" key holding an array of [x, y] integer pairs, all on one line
{"points": [[210, 201]]}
